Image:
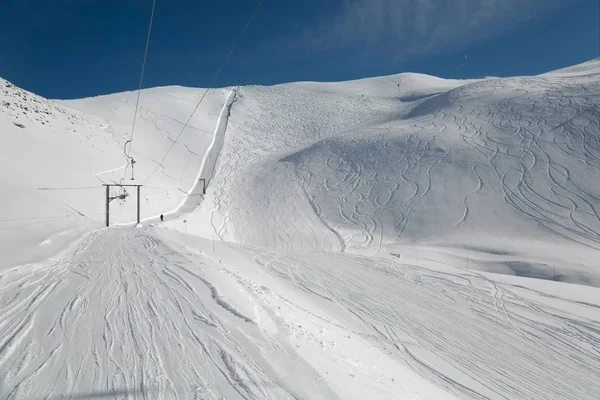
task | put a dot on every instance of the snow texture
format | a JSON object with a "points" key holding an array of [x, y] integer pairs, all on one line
{"points": [[365, 239]]}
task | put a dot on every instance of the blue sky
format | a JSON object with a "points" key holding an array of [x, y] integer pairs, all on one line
{"points": [[77, 48]]}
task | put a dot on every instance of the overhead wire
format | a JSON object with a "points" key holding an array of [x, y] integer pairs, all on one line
{"points": [[137, 103], [82, 214], [210, 86]]}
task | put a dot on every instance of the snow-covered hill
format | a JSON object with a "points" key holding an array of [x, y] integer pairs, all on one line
{"points": [[494, 174], [57, 154], [342, 249], [405, 86], [491, 174]]}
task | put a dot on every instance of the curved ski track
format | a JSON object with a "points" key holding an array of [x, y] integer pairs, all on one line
{"points": [[475, 337], [536, 147], [126, 317]]}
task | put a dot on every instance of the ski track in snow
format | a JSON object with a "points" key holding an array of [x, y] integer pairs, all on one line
{"points": [[516, 162], [475, 337], [510, 155], [125, 317]]}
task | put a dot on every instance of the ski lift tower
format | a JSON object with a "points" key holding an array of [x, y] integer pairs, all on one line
{"points": [[120, 196]]}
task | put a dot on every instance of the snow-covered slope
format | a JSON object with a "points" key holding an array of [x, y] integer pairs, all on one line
{"points": [[588, 68], [495, 174], [356, 209], [55, 156], [491, 174], [405, 86], [150, 313]]}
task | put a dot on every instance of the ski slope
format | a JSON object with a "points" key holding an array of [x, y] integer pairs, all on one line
{"points": [[365, 239], [493, 174], [147, 313], [126, 316], [54, 167]]}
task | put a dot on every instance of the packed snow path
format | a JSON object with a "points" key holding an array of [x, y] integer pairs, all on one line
{"points": [[144, 313], [124, 318]]}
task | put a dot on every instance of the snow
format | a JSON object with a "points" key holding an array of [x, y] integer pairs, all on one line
{"points": [[154, 313], [405, 87], [401, 237], [78, 145], [495, 172], [591, 67]]}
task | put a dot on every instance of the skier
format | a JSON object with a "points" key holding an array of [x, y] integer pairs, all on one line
{"points": [[162, 218]]}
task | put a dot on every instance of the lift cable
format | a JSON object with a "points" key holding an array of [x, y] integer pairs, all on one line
{"points": [[212, 82], [127, 153]]}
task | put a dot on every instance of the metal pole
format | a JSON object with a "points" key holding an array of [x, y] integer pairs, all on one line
{"points": [[138, 203], [107, 204]]}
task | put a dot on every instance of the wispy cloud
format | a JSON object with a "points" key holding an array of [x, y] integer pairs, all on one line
{"points": [[409, 28]]}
